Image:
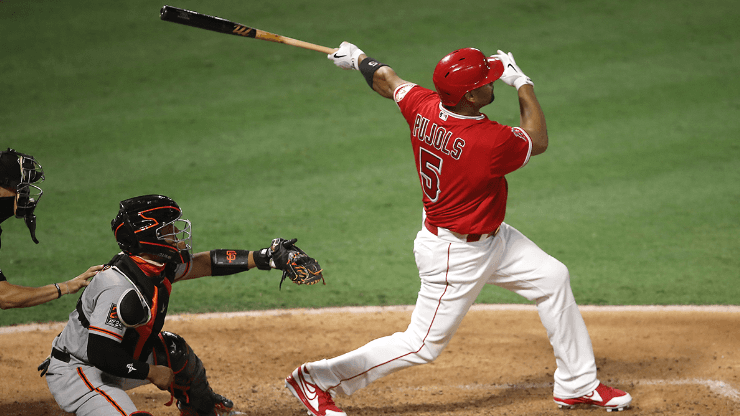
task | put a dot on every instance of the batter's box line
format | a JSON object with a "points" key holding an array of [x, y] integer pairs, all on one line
{"points": [[718, 387]]}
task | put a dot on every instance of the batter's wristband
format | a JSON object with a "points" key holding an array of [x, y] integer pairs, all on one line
{"points": [[368, 66], [59, 291], [226, 262]]}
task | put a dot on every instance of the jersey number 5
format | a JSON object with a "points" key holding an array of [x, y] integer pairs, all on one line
{"points": [[430, 169]]}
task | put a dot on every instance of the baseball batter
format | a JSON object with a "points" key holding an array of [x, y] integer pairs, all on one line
{"points": [[113, 340], [462, 158], [20, 176]]}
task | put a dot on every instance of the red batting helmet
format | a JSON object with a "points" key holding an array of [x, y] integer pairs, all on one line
{"points": [[464, 70]]}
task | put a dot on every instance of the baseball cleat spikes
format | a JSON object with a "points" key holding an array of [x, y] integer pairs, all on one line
{"points": [[608, 409]]}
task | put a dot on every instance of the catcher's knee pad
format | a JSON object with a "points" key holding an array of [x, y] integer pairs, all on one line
{"points": [[191, 389]]}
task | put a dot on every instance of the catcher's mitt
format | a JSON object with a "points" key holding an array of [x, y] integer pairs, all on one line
{"points": [[295, 263]]}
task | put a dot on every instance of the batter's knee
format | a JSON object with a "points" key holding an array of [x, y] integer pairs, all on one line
{"points": [[431, 347], [558, 272], [431, 351]]}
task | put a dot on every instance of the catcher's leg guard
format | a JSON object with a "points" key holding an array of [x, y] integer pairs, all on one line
{"points": [[191, 389]]}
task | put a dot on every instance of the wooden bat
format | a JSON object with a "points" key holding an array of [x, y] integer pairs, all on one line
{"points": [[217, 24]]}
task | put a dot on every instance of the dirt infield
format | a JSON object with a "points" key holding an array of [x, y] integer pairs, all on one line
{"points": [[674, 361]]}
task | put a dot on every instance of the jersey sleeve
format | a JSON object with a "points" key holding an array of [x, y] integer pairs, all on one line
{"points": [[512, 151], [408, 97], [401, 91], [104, 320]]}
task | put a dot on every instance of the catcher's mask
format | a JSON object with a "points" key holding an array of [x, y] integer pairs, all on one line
{"points": [[19, 172], [462, 71], [152, 224]]}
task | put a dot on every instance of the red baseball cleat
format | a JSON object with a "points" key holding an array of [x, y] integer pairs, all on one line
{"points": [[317, 401], [604, 397]]}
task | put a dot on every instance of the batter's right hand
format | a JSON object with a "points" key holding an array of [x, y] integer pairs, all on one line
{"points": [[161, 376], [346, 56]]}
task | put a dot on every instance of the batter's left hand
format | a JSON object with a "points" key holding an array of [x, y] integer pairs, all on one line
{"points": [[512, 75], [346, 56]]}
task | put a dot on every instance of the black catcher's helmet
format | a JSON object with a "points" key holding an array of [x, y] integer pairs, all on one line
{"points": [[19, 171], [152, 224]]}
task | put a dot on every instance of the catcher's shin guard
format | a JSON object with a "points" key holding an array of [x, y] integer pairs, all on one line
{"points": [[191, 389]]}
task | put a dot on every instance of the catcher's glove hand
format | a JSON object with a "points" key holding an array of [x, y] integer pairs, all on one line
{"points": [[295, 263]]}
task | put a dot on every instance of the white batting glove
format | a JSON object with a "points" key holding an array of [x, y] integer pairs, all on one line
{"points": [[512, 74], [346, 56]]}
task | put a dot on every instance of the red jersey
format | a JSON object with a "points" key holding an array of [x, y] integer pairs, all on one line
{"points": [[461, 161]]}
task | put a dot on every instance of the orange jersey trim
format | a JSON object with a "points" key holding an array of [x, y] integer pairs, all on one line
{"points": [[106, 332], [105, 395]]}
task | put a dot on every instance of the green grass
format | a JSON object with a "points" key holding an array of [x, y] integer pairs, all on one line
{"points": [[637, 193]]}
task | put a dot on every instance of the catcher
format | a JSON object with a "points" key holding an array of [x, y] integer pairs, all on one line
{"points": [[114, 341]]}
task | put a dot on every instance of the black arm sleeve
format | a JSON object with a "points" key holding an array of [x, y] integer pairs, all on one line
{"points": [[109, 356]]}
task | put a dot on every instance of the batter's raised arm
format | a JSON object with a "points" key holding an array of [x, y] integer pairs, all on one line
{"points": [[531, 117], [379, 76]]}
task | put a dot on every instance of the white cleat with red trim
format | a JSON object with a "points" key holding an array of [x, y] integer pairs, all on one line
{"points": [[604, 397], [317, 401]]}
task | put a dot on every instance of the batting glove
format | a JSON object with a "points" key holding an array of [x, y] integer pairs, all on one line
{"points": [[512, 74], [346, 56]]}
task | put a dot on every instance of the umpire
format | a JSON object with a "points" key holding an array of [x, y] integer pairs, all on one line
{"points": [[20, 175]]}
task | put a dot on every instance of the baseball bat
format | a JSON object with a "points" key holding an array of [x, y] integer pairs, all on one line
{"points": [[217, 24]]}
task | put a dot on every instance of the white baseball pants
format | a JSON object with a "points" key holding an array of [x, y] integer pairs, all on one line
{"points": [[452, 273]]}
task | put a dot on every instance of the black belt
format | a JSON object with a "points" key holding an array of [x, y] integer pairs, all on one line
{"points": [[60, 355]]}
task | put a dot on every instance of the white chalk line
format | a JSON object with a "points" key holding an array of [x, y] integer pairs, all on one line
{"points": [[397, 308], [718, 387]]}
